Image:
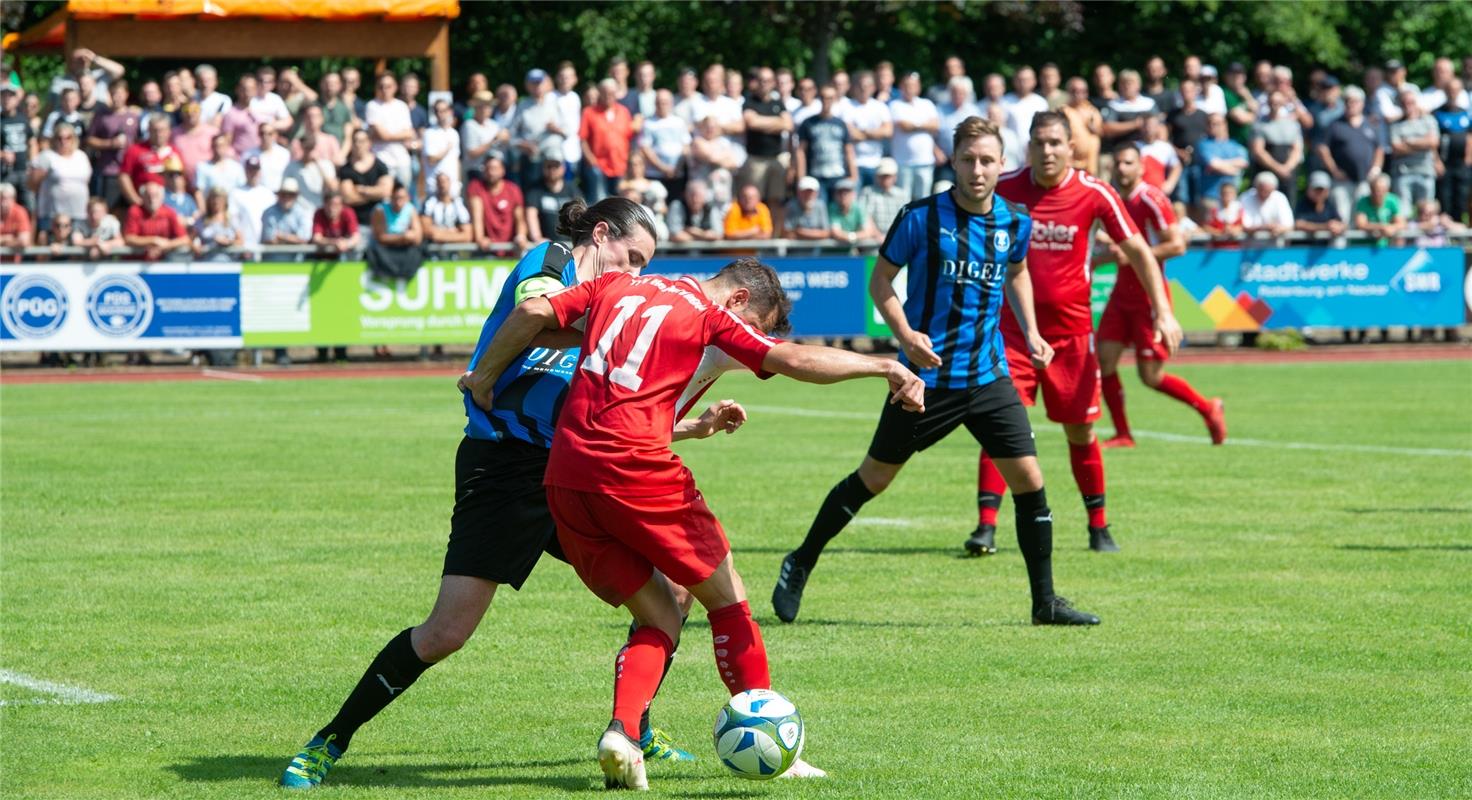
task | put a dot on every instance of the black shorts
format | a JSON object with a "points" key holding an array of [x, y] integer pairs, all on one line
{"points": [[501, 524], [993, 413]]}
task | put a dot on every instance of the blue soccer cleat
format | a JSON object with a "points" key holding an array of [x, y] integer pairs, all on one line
{"points": [[310, 766], [658, 746]]}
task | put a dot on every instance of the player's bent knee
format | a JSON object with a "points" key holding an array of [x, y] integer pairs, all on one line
{"points": [[435, 641], [1023, 475], [1151, 373], [1078, 432], [877, 475]]}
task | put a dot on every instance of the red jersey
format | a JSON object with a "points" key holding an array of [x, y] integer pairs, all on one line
{"points": [[498, 211], [144, 164], [645, 339], [1063, 218], [162, 222], [1150, 210]]}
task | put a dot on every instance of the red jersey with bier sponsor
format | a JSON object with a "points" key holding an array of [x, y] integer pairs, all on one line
{"points": [[1063, 218], [644, 341], [1150, 210]]}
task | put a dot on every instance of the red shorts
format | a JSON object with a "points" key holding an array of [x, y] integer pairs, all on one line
{"points": [[1070, 384], [616, 543], [1135, 326]]}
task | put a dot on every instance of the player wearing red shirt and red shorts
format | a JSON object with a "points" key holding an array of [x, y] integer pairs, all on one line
{"points": [[1065, 203], [629, 516], [1127, 320]]}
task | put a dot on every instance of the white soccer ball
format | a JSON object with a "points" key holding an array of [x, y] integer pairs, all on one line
{"points": [[758, 734]]}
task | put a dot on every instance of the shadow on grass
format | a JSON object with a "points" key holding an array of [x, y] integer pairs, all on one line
{"points": [[1410, 510], [210, 769], [1406, 548], [863, 551]]}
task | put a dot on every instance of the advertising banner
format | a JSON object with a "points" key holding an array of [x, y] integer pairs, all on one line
{"points": [[829, 293], [119, 306], [342, 303]]}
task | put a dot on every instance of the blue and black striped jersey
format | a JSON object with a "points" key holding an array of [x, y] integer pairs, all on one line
{"points": [[957, 270], [530, 392]]}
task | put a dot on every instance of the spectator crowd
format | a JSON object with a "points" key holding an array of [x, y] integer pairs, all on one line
{"points": [[175, 167]]}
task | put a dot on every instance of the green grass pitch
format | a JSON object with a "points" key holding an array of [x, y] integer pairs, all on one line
{"points": [[224, 558]]}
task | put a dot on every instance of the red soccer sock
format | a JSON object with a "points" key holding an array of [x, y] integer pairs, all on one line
{"points": [[1181, 390], [740, 655], [637, 673], [990, 486], [1088, 473], [1114, 399]]}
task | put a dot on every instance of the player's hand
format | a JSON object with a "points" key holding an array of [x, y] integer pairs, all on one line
{"points": [[480, 390], [919, 349], [727, 415], [906, 388], [1168, 331], [1040, 350]]}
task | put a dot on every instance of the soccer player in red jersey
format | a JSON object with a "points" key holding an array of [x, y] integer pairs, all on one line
{"points": [[1127, 321], [629, 516], [1065, 203]]}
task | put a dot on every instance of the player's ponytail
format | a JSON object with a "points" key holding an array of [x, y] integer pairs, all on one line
{"points": [[576, 219]]}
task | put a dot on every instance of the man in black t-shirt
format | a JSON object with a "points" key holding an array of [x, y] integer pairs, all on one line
{"points": [[17, 142], [1187, 123], [766, 120], [1316, 212], [546, 198]]}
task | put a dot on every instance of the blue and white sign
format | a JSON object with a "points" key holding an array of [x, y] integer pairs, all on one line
{"points": [[827, 292], [119, 306]]}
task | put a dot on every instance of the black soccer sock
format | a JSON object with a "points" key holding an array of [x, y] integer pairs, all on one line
{"points": [[393, 670], [1035, 540], [841, 505]]}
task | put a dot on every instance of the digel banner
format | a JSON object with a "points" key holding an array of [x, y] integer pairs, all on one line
{"points": [[122, 306], [829, 293], [342, 303]]}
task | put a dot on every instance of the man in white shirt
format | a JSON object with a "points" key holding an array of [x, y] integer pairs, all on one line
{"points": [[272, 157], [212, 101], [689, 104], [1435, 97], [727, 110], [249, 203], [1265, 209], [267, 105], [870, 125], [389, 124], [1387, 95], [916, 123], [1024, 102], [570, 113]]}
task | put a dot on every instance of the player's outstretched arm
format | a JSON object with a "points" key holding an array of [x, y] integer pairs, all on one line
{"points": [[917, 346], [515, 334], [1142, 261], [1019, 299], [812, 364], [726, 415]]}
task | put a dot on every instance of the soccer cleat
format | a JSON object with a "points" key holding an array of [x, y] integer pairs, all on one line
{"points": [[802, 769], [310, 766], [1118, 441], [621, 760], [983, 541], [1216, 421], [658, 746], [1100, 541], [787, 595], [1058, 612]]}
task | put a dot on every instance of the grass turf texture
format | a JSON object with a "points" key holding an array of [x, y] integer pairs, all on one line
{"points": [[227, 557]]}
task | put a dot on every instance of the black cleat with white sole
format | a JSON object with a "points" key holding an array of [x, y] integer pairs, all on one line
{"points": [[1100, 541], [787, 594], [983, 541], [1057, 611]]}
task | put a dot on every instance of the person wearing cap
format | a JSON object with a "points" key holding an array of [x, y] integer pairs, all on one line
{"points": [[1380, 213], [825, 150], [1388, 95], [1413, 158], [286, 221], [664, 142], [1265, 210], [177, 195], [916, 124], [248, 203], [806, 216], [884, 200], [144, 162], [17, 141], [1325, 104], [480, 135], [537, 129], [1213, 96], [1454, 119], [849, 221], [1315, 213], [153, 227], [547, 195], [1352, 152]]}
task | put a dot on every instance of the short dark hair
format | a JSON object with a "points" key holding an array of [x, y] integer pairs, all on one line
{"points": [[767, 295], [1044, 119], [1126, 145]]}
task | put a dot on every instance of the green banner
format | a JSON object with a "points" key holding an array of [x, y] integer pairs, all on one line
{"points": [[1104, 277], [342, 303]]}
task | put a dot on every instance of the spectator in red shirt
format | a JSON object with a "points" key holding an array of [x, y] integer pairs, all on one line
{"points": [[335, 226], [497, 211], [15, 223], [154, 227], [144, 161], [606, 131]]}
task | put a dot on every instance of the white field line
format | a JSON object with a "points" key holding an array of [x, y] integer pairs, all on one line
{"points": [[1235, 441], [61, 694], [226, 375]]}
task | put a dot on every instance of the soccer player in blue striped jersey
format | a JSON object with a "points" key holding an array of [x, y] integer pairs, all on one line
{"points": [[965, 249], [501, 524]]}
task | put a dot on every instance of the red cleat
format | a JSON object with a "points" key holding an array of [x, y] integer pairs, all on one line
{"points": [[1216, 421], [1118, 441]]}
